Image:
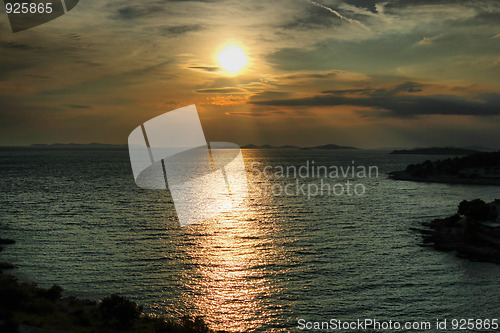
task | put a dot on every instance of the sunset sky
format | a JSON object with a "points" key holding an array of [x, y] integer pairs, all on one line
{"points": [[366, 73]]}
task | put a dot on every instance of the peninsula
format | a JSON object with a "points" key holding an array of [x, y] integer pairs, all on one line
{"points": [[473, 232], [435, 151], [479, 168]]}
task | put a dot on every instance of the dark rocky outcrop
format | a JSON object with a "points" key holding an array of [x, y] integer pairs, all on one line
{"points": [[480, 168], [473, 232]]}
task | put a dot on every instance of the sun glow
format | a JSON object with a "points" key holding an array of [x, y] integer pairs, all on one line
{"points": [[232, 59]]}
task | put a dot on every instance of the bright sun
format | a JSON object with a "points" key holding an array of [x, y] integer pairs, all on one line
{"points": [[232, 59]]}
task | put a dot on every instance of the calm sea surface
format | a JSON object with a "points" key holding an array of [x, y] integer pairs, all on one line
{"points": [[80, 221]]}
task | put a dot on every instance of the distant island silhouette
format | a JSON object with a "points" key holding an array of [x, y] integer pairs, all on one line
{"points": [[328, 146], [76, 145], [435, 151], [479, 168], [395, 151], [115, 146]]}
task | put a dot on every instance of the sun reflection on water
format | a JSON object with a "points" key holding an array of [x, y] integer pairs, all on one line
{"points": [[230, 289], [232, 254]]}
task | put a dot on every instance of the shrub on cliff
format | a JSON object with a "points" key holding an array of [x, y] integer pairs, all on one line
{"points": [[187, 324], [53, 293], [119, 311], [477, 210]]}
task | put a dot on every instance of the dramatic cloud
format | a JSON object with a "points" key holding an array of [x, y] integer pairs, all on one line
{"points": [[78, 106], [177, 30], [258, 113], [138, 10], [410, 87], [209, 69], [387, 104], [270, 94], [336, 13], [220, 91]]}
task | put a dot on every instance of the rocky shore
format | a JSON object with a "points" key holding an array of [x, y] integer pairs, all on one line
{"points": [[478, 169], [445, 179], [473, 232], [28, 308]]}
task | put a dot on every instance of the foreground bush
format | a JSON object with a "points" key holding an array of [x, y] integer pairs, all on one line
{"points": [[28, 304], [119, 311]]}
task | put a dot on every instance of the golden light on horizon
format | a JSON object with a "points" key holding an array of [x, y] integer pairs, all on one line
{"points": [[232, 59]]}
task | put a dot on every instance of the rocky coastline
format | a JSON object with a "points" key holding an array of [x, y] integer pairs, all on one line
{"points": [[473, 232], [475, 169]]}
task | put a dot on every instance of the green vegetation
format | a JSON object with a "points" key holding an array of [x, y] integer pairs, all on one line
{"points": [[473, 232], [477, 210], [4, 241], [7, 241], [479, 168], [28, 304], [119, 311], [454, 166]]}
